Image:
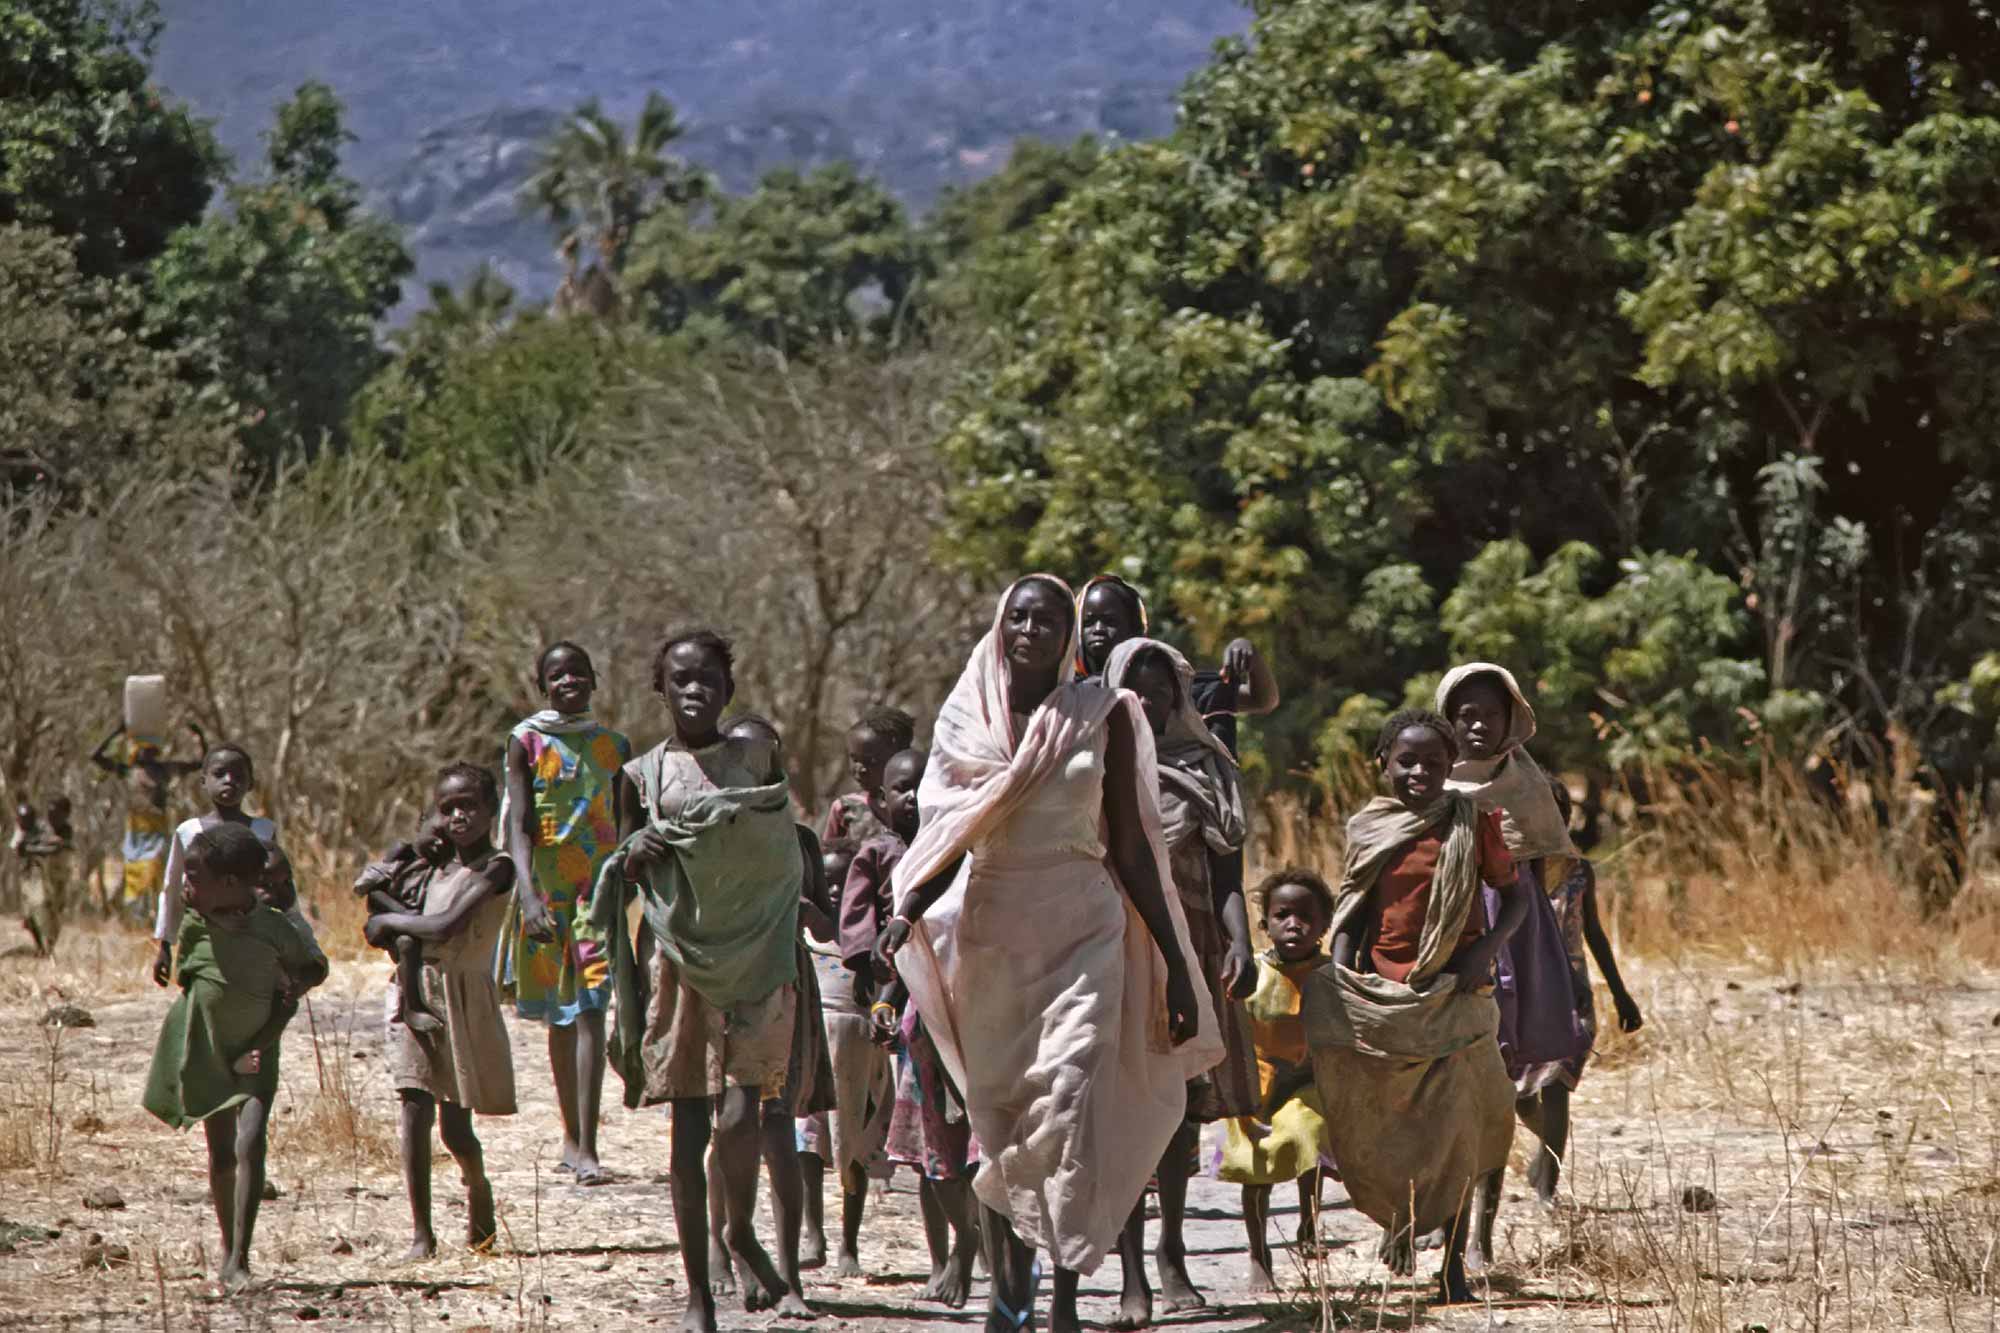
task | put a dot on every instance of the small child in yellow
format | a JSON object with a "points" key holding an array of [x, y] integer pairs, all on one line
{"points": [[1288, 1138], [242, 969]]}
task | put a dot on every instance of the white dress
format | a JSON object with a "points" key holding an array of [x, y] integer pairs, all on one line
{"points": [[1069, 1079]]}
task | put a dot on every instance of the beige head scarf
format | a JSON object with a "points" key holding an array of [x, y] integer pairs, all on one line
{"points": [[1199, 785], [1511, 781]]}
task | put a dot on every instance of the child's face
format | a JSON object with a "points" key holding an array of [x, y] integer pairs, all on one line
{"points": [[867, 755], [1034, 629], [835, 864], [1153, 680], [1296, 920], [224, 901], [226, 780], [568, 681], [697, 690], [1479, 713], [1107, 622], [752, 731], [900, 780], [276, 888], [433, 843], [1416, 766], [463, 809]]}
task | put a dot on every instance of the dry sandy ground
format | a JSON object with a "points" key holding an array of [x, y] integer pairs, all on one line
{"points": [[1844, 1126]]}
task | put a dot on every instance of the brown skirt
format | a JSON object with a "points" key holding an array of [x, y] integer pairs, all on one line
{"points": [[1230, 1089]]}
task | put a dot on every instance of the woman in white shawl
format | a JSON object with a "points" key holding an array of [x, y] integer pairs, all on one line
{"points": [[1040, 938]]}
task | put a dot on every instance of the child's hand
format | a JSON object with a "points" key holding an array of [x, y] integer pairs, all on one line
{"points": [[882, 1023], [649, 848], [377, 932], [893, 937], [163, 964], [287, 991], [536, 918], [250, 1062], [1237, 660], [1239, 972], [1629, 1017]]}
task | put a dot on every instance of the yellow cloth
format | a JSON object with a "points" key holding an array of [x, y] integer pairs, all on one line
{"points": [[1289, 1103]]}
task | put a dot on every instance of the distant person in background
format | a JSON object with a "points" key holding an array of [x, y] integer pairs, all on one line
{"points": [[858, 815], [563, 777], [47, 852], [149, 777]]}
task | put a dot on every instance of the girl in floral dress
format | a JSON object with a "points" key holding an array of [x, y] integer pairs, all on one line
{"points": [[563, 772]]}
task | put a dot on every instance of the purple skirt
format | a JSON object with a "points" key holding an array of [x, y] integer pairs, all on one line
{"points": [[1533, 986]]}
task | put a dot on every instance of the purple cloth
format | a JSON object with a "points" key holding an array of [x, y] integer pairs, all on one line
{"points": [[1532, 984]]}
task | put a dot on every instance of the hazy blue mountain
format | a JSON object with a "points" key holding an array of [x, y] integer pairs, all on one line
{"points": [[449, 97]]}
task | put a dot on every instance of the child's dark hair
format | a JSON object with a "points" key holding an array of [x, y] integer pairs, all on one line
{"points": [[478, 775], [891, 724], [755, 721], [702, 637], [1410, 719], [228, 849], [561, 646], [1298, 875], [1131, 595], [1564, 801], [230, 747]]}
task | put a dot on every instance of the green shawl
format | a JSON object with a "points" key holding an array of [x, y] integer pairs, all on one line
{"points": [[228, 1006], [724, 906]]}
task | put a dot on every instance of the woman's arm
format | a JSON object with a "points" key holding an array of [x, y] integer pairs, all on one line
{"points": [[1225, 881], [1629, 1017], [1132, 857], [519, 839], [915, 903]]}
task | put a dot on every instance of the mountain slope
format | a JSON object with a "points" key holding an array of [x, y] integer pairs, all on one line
{"points": [[448, 98]]}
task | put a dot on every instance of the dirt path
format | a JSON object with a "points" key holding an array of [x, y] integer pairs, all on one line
{"points": [[1847, 1132]]}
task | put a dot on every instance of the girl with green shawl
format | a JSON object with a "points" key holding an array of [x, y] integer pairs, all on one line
{"points": [[242, 969], [708, 845]]}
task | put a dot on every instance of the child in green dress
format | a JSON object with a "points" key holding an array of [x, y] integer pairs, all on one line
{"points": [[242, 969]]}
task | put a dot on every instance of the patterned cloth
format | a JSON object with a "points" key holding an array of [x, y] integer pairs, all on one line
{"points": [[574, 829], [144, 851], [1567, 900], [928, 1131]]}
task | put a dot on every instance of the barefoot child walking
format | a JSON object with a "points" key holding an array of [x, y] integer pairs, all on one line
{"points": [[47, 852], [1287, 1137], [1402, 1028], [242, 970], [467, 1065], [562, 822]]}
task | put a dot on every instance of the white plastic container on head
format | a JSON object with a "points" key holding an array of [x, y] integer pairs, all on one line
{"points": [[146, 706]]}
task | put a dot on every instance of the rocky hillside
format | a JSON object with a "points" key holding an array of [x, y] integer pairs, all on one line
{"points": [[449, 97]]}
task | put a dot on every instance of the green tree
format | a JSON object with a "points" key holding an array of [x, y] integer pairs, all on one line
{"points": [[89, 148], [977, 238], [595, 182], [276, 301], [802, 258]]}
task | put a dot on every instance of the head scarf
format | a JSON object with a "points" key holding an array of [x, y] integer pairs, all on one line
{"points": [[1511, 781], [550, 722], [1145, 627], [1199, 784]]}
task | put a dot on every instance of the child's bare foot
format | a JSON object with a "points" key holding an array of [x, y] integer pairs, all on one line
{"points": [[1135, 1305], [480, 1227], [1177, 1289], [1260, 1283], [422, 1022], [700, 1316], [1396, 1252], [791, 1305], [812, 1251], [847, 1265], [250, 1062], [1452, 1286], [233, 1278], [423, 1246], [956, 1287], [762, 1287], [721, 1273]]}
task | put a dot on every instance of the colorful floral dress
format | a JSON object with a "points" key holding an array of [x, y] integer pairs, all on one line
{"points": [[574, 827], [144, 851]]}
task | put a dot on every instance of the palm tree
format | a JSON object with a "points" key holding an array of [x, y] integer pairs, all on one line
{"points": [[594, 182]]}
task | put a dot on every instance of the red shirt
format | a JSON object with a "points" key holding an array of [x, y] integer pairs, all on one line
{"points": [[1402, 896]]}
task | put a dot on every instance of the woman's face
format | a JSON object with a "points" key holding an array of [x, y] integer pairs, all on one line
{"points": [[1034, 629], [568, 681], [1158, 686], [697, 690], [1108, 621]]}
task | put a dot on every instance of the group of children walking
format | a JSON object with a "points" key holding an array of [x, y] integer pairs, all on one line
{"points": [[805, 1000]]}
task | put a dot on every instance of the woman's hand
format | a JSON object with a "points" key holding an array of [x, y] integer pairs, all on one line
{"points": [[536, 919], [894, 935], [1239, 972], [1475, 966], [1183, 1018], [1629, 1017]]}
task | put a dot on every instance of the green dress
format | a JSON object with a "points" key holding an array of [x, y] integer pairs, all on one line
{"points": [[228, 1006], [572, 762]]}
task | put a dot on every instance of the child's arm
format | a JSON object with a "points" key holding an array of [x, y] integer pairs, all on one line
{"points": [[1629, 1017], [283, 1010], [494, 880], [536, 919], [1241, 662], [1474, 963], [167, 921], [815, 906], [1347, 942], [1225, 882], [885, 1015]]}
